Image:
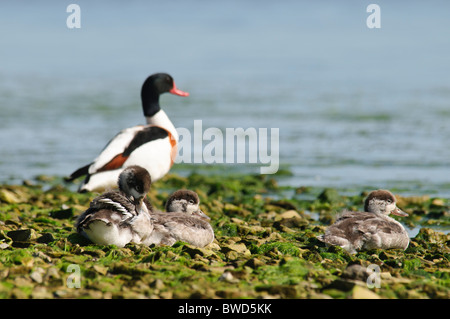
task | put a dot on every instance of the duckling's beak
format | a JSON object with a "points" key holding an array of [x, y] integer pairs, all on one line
{"points": [[138, 204], [397, 211], [136, 201], [201, 214]]}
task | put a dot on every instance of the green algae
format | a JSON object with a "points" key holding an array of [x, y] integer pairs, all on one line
{"points": [[265, 246]]}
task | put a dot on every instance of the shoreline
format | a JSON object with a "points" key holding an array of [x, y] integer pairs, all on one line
{"points": [[265, 246]]}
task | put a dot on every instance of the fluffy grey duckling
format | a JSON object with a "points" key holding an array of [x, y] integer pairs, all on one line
{"points": [[371, 229], [182, 221], [120, 217]]}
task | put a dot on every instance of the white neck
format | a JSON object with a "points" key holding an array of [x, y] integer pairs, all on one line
{"points": [[162, 120]]}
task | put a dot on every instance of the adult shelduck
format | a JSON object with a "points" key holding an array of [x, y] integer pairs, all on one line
{"points": [[152, 146], [371, 229], [120, 217]]}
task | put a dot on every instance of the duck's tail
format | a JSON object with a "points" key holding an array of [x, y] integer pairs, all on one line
{"points": [[78, 173]]}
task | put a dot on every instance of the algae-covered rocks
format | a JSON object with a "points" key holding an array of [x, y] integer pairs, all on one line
{"points": [[265, 247]]}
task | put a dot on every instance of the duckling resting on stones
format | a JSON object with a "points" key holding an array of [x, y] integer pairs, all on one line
{"points": [[120, 217], [182, 221], [371, 229]]}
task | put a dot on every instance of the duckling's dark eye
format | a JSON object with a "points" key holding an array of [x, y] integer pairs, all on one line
{"points": [[138, 188], [191, 201]]}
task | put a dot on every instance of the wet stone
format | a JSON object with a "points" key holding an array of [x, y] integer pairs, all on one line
{"points": [[52, 273], [193, 251], [45, 238], [254, 263], [62, 214], [432, 236], [330, 195], [356, 272], [157, 284], [238, 248], [341, 284], [228, 276], [101, 269], [9, 197], [37, 275], [290, 214], [21, 235], [359, 292], [285, 291]]}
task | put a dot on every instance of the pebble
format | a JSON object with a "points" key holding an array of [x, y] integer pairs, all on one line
{"points": [[363, 293], [157, 284], [37, 275], [228, 277], [20, 235]]}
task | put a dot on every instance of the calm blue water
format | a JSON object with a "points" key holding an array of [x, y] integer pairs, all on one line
{"points": [[356, 107]]}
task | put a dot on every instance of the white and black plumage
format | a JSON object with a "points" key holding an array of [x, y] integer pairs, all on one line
{"points": [[120, 217], [371, 229], [182, 221], [152, 146]]}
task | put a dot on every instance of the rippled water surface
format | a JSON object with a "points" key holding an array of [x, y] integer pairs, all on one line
{"points": [[355, 107]]}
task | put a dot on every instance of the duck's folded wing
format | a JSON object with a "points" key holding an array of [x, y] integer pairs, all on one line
{"points": [[119, 149], [379, 226], [112, 155], [83, 219], [115, 201], [351, 215], [109, 207], [186, 221]]}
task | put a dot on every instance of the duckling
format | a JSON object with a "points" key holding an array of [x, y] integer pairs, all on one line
{"points": [[121, 216], [371, 229], [182, 221]]}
